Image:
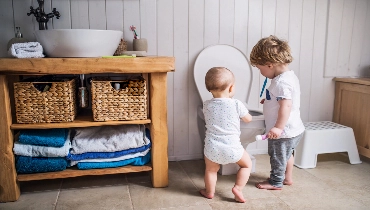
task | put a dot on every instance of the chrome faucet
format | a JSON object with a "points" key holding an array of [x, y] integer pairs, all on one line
{"points": [[40, 15]]}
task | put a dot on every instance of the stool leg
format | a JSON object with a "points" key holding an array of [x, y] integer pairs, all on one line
{"points": [[305, 160], [354, 157], [304, 157]]}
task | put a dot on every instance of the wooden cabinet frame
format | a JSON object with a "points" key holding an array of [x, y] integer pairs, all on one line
{"points": [[156, 67], [351, 108]]}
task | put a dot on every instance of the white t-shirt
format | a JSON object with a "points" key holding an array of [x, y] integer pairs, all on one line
{"points": [[286, 86], [222, 141]]}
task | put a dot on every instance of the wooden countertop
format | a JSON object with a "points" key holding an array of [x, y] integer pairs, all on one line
{"points": [[355, 80], [25, 66]]}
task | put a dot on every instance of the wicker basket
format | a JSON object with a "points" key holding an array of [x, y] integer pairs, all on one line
{"points": [[58, 104], [128, 103]]}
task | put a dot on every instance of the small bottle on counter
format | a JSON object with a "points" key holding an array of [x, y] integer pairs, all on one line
{"points": [[17, 39]]}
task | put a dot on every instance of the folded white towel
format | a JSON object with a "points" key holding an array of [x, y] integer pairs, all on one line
{"points": [[41, 151], [109, 138], [26, 50], [124, 157]]}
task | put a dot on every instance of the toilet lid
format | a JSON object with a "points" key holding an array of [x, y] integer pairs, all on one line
{"points": [[224, 56]]}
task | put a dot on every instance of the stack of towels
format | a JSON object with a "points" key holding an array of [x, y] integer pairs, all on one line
{"points": [[110, 146], [26, 50], [40, 151]]}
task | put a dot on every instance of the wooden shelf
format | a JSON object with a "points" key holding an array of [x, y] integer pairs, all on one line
{"points": [[82, 120], [74, 172], [34, 66], [156, 68]]}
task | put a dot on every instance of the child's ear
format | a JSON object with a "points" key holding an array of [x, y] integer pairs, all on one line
{"points": [[231, 88]]}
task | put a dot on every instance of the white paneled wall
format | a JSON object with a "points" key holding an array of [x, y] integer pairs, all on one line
{"points": [[328, 38]]}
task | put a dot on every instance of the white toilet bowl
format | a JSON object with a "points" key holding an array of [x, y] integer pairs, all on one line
{"points": [[233, 59]]}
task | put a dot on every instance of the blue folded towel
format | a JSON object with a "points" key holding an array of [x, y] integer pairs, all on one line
{"points": [[96, 155], [28, 165], [138, 161], [46, 137]]}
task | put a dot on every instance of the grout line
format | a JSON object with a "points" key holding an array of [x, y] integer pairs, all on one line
{"points": [[187, 175], [56, 200], [336, 188], [129, 193], [192, 182]]}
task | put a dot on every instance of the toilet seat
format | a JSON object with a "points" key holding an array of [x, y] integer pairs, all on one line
{"points": [[233, 59], [224, 56]]}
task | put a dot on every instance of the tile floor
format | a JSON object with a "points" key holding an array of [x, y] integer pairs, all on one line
{"points": [[333, 184]]}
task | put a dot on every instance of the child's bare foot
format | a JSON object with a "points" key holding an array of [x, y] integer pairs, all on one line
{"points": [[204, 193], [266, 185], [238, 195], [285, 182]]}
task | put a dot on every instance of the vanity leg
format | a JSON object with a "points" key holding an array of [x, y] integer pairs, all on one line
{"points": [[158, 128], [9, 186]]}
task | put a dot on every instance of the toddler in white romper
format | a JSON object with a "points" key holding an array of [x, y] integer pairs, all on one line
{"points": [[222, 117], [222, 143]]}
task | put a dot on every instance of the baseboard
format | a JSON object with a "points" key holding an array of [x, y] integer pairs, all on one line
{"points": [[185, 157], [200, 156]]}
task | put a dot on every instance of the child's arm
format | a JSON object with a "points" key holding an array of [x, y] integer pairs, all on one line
{"points": [[247, 118], [283, 116]]}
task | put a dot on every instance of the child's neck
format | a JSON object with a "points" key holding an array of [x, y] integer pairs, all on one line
{"points": [[281, 68], [221, 94]]}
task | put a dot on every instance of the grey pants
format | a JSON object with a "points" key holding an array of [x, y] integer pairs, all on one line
{"points": [[280, 151]]}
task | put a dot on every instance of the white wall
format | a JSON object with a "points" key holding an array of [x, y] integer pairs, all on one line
{"points": [[328, 38]]}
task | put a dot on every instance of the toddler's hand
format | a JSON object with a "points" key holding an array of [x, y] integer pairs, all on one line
{"points": [[274, 133], [262, 101]]}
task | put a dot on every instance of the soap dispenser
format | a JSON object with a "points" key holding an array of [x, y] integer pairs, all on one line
{"points": [[17, 39]]}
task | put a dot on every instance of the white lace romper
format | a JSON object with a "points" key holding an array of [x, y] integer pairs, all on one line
{"points": [[222, 142]]}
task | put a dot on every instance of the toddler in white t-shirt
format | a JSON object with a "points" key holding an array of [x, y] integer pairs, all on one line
{"points": [[222, 142], [281, 109]]}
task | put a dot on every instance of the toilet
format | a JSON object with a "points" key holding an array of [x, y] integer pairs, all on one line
{"points": [[233, 59]]}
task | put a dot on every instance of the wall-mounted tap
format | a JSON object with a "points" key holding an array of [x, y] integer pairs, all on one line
{"points": [[40, 15]]}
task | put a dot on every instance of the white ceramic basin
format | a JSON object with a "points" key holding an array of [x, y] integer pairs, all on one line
{"points": [[78, 42]]}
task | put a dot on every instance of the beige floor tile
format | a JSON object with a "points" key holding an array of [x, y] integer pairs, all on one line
{"points": [[180, 192], [33, 201], [313, 193], [95, 192], [361, 194], [103, 197], [200, 207], [36, 195], [195, 170], [263, 204], [351, 180], [342, 175]]}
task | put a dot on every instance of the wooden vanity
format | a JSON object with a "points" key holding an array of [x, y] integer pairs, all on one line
{"points": [[351, 108], [155, 67]]}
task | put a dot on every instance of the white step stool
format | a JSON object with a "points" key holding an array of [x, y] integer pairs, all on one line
{"points": [[325, 137], [232, 168]]}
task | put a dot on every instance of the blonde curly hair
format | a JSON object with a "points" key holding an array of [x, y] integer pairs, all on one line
{"points": [[218, 79], [270, 50]]}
